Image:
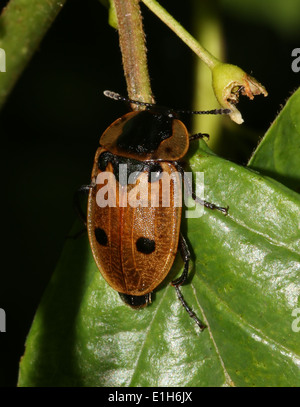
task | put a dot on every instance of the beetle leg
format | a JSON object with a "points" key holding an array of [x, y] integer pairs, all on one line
{"points": [[189, 189], [188, 309], [186, 256], [197, 136], [76, 200], [208, 205]]}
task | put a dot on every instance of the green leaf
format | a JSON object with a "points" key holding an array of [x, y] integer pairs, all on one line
{"points": [[23, 24], [278, 153], [276, 14], [244, 285], [112, 17]]}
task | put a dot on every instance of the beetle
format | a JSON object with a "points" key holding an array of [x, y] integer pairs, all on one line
{"points": [[134, 246]]}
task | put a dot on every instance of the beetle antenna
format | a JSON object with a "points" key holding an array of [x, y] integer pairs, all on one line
{"points": [[214, 111], [117, 96]]}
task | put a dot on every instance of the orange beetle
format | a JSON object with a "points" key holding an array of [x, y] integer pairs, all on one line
{"points": [[134, 243]]}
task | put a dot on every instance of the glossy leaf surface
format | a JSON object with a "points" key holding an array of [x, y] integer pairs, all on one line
{"points": [[244, 285], [278, 153]]}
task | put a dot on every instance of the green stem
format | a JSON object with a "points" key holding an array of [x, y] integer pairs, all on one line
{"points": [[207, 30], [133, 48], [23, 24], [187, 38]]}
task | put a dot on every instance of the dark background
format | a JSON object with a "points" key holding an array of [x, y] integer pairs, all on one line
{"points": [[52, 121]]}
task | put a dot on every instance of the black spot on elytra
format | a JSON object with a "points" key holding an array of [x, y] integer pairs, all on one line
{"points": [[101, 236], [145, 245]]}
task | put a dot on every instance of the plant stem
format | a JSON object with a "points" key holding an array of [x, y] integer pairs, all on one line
{"points": [[207, 30], [23, 24], [187, 38], [133, 49]]}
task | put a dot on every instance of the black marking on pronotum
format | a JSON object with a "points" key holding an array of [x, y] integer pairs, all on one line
{"points": [[143, 133], [101, 236], [145, 245]]}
